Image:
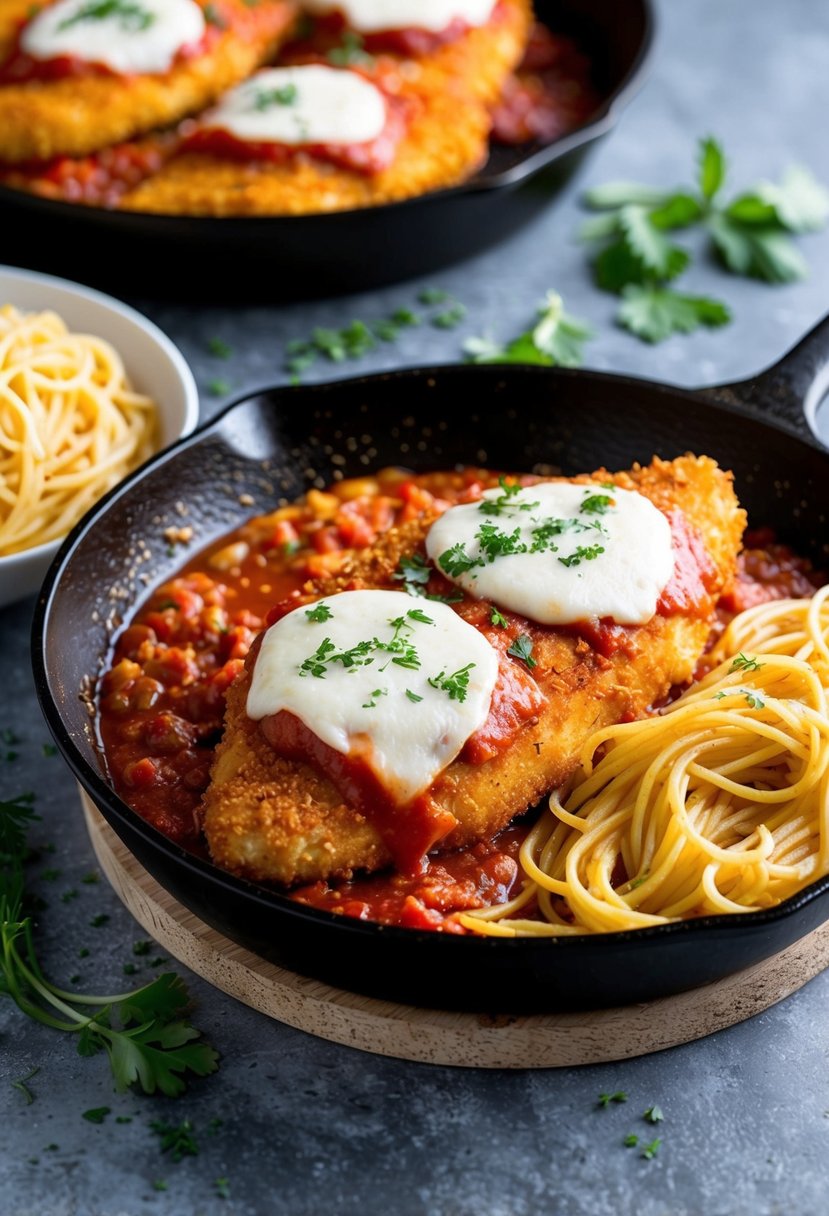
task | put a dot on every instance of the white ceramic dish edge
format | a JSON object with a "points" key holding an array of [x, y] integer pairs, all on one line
{"points": [[154, 365]]}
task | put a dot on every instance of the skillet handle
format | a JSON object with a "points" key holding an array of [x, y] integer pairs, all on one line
{"points": [[789, 391]]}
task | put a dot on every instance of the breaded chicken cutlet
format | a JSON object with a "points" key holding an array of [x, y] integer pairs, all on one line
{"points": [[273, 819], [445, 97], [78, 113]]}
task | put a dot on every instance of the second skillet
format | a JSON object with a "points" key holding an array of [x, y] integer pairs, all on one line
{"points": [[279, 442]]}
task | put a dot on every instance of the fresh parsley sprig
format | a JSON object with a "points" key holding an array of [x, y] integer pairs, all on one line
{"points": [[556, 339], [144, 1033], [750, 235]]}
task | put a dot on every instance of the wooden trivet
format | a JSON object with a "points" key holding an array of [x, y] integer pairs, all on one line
{"points": [[432, 1036]]}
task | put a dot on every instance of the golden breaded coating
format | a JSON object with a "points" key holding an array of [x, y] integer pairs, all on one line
{"points": [[272, 819], [481, 61], [75, 115]]}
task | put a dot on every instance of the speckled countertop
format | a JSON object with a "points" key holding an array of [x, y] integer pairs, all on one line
{"points": [[307, 1126]]}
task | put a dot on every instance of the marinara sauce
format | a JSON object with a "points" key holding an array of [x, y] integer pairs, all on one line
{"points": [[161, 702]]}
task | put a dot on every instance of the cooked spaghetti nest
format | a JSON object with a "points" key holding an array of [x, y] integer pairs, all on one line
{"points": [[70, 426], [720, 803]]}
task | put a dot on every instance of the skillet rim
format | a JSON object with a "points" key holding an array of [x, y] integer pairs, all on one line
{"points": [[101, 793], [528, 166]]}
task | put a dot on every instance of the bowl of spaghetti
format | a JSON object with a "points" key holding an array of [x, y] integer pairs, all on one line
{"points": [[89, 390]]}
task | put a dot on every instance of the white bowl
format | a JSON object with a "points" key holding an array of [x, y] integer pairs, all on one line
{"points": [[154, 366]]}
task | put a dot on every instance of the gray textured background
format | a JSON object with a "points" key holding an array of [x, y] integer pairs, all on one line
{"points": [[308, 1126]]}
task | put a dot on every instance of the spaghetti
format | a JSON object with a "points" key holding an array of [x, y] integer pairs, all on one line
{"points": [[718, 804], [70, 426]]}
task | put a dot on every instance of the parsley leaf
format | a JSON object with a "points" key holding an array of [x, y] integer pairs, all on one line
{"points": [[654, 313], [522, 649], [176, 1139], [744, 663], [584, 553], [319, 613], [650, 1150], [760, 252], [495, 618], [800, 202], [455, 686], [414, 572], [556, 339], [712, 166], [606, 1099], [97, 1114], [653, 1114]]}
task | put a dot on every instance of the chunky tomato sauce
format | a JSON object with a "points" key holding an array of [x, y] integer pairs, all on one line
{"points": [[161, 702]]}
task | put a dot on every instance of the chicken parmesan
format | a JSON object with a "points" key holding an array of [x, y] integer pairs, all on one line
{"points": [[596, 596], [80, 75]]}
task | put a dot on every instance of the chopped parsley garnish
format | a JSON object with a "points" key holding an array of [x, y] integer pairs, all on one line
{"points": [[432, 295], [222, 1186], [375, 696], [319, 613], [450, 318], [349, 52], [91, 878], [417, 614], [522, 649], [402, 650], [631, 1140], [214, 16], [457, 561], [455, 686], [744, 663], [543, 534], [97, 1114], [142, 946], [754, 701], [596, 504], [505, 500], [131, 17], [218, 387], [414, 572], [584, 553], [650, 1150], [101, 918], [219, 348], [413, 696], [653, 1114], [176, 1139], [266, 99], [495, 618], [606, 1099], [49, 750]]}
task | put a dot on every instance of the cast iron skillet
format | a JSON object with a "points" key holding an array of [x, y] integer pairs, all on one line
{"points": [[281, 441], [287, 258]]}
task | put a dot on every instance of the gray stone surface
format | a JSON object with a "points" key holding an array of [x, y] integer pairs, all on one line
{"points": [[308, 1126]]}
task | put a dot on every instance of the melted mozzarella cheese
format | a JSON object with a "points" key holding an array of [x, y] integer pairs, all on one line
{"points": [[372, 16], [143, 38], [304, 105], [612, 561], [415, 728]]}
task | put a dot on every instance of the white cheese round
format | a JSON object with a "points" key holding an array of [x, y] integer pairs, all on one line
{"points": [[415, 727], [312, 104], [559, 552], [372, 16], [143, 37]]}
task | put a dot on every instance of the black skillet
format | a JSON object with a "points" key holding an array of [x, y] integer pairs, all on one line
{"points": [[291, 257], [279, 442]]}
